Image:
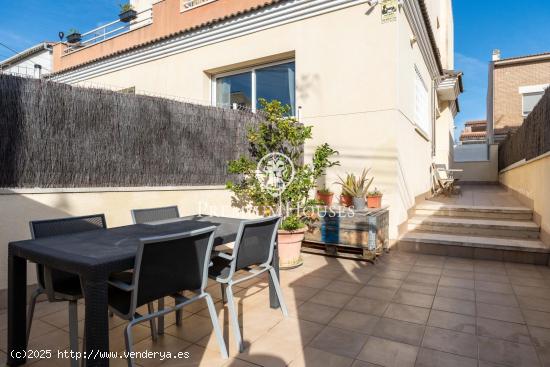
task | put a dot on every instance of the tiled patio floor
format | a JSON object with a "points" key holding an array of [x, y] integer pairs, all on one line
{"points": [[479, 195], [407, 310]]}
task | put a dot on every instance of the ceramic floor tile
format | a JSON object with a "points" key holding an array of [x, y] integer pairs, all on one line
{"points": [[452, 321], [387, 353], [340, 342], [507, 353], [450, 341], [434, 358]]}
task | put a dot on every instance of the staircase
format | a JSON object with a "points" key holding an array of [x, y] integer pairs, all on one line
{"points": [[479, 232]]}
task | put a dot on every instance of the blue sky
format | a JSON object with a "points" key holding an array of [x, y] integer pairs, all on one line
{"points": [[24, 23], [516, 27]]}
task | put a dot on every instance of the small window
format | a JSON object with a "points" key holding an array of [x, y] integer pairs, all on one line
{"points": [[243, 90], [422, 104], [529, 101]]}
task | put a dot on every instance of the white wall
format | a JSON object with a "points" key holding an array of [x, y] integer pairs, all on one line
{"points": [[26, 67], [471, 152]]}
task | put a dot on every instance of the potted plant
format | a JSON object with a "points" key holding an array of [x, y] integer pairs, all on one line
{"points": [[374, 198], [74, 36], [127, 13], [324, 195], [346, 197], [357, 188], [284, 135]]}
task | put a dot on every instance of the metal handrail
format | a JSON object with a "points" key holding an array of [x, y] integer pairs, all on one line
{"points": [[103, 33]]}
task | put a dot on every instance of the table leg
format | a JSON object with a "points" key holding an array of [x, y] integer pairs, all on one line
{"points": [[17, 318], [273, 300], [96, 322]]}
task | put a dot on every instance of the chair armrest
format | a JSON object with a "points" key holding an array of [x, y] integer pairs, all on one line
{"points": [[121, 285]]}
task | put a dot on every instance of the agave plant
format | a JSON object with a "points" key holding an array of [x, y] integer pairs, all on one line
{"points": [[355, 187]]}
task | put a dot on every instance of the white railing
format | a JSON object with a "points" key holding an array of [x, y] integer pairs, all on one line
{"points": [[112, 29], [190, 4]]}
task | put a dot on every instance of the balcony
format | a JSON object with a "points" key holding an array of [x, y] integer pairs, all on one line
{"points": [[112, 29]]}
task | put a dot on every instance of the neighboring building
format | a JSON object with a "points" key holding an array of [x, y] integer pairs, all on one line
{"points": [[474, 132], [380, 88], [516, 84], [33, 62]]}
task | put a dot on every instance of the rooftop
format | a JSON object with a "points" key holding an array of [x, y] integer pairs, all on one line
{"points": [[523, 59], [26, 53], [475, 122]]}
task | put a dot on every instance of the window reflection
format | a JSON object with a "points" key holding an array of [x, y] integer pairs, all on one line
{"points": [[276, 82], [234, 91]]}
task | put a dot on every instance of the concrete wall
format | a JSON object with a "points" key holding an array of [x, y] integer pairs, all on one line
{"points": [[480, 170], [18, 207], [529, 181]]}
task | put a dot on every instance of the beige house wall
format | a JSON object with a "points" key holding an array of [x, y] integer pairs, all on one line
{"points": [[355, 86], [508, 77], [529, 181], [347, 83]]}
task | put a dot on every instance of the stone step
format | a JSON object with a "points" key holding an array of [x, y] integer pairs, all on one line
{"points": [[478, 247], [476, 226], [467, 211]]}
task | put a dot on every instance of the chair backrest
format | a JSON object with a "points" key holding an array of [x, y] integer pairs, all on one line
{"points": [[63, 226], [169, 264], [440, 172], [154, 214], [255, 242]]}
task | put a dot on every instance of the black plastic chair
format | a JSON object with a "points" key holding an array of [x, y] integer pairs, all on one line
{"points": [[253, 251], [166, 266], [154, 214], [60, 286]]}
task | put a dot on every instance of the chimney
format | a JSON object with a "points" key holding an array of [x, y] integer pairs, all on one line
{"points": [[496, 54]]}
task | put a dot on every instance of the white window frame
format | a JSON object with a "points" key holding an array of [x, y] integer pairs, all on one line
{"points": [[529, 90], [252, 70]]}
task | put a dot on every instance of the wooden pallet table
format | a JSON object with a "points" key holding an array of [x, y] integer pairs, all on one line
{"points": [[343, 232]]}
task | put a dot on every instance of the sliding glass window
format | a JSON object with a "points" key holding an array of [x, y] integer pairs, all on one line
{"points": [[243, 89]]}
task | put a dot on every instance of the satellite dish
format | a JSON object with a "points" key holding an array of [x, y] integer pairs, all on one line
{"points": [[61, 35]]}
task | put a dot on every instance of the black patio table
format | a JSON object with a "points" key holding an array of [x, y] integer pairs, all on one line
{"points": [[94, 255]]}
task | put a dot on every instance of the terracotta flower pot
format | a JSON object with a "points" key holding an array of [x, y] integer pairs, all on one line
{"points": [[326, 198], [290, 245], [346, 200], [374, 201]]}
